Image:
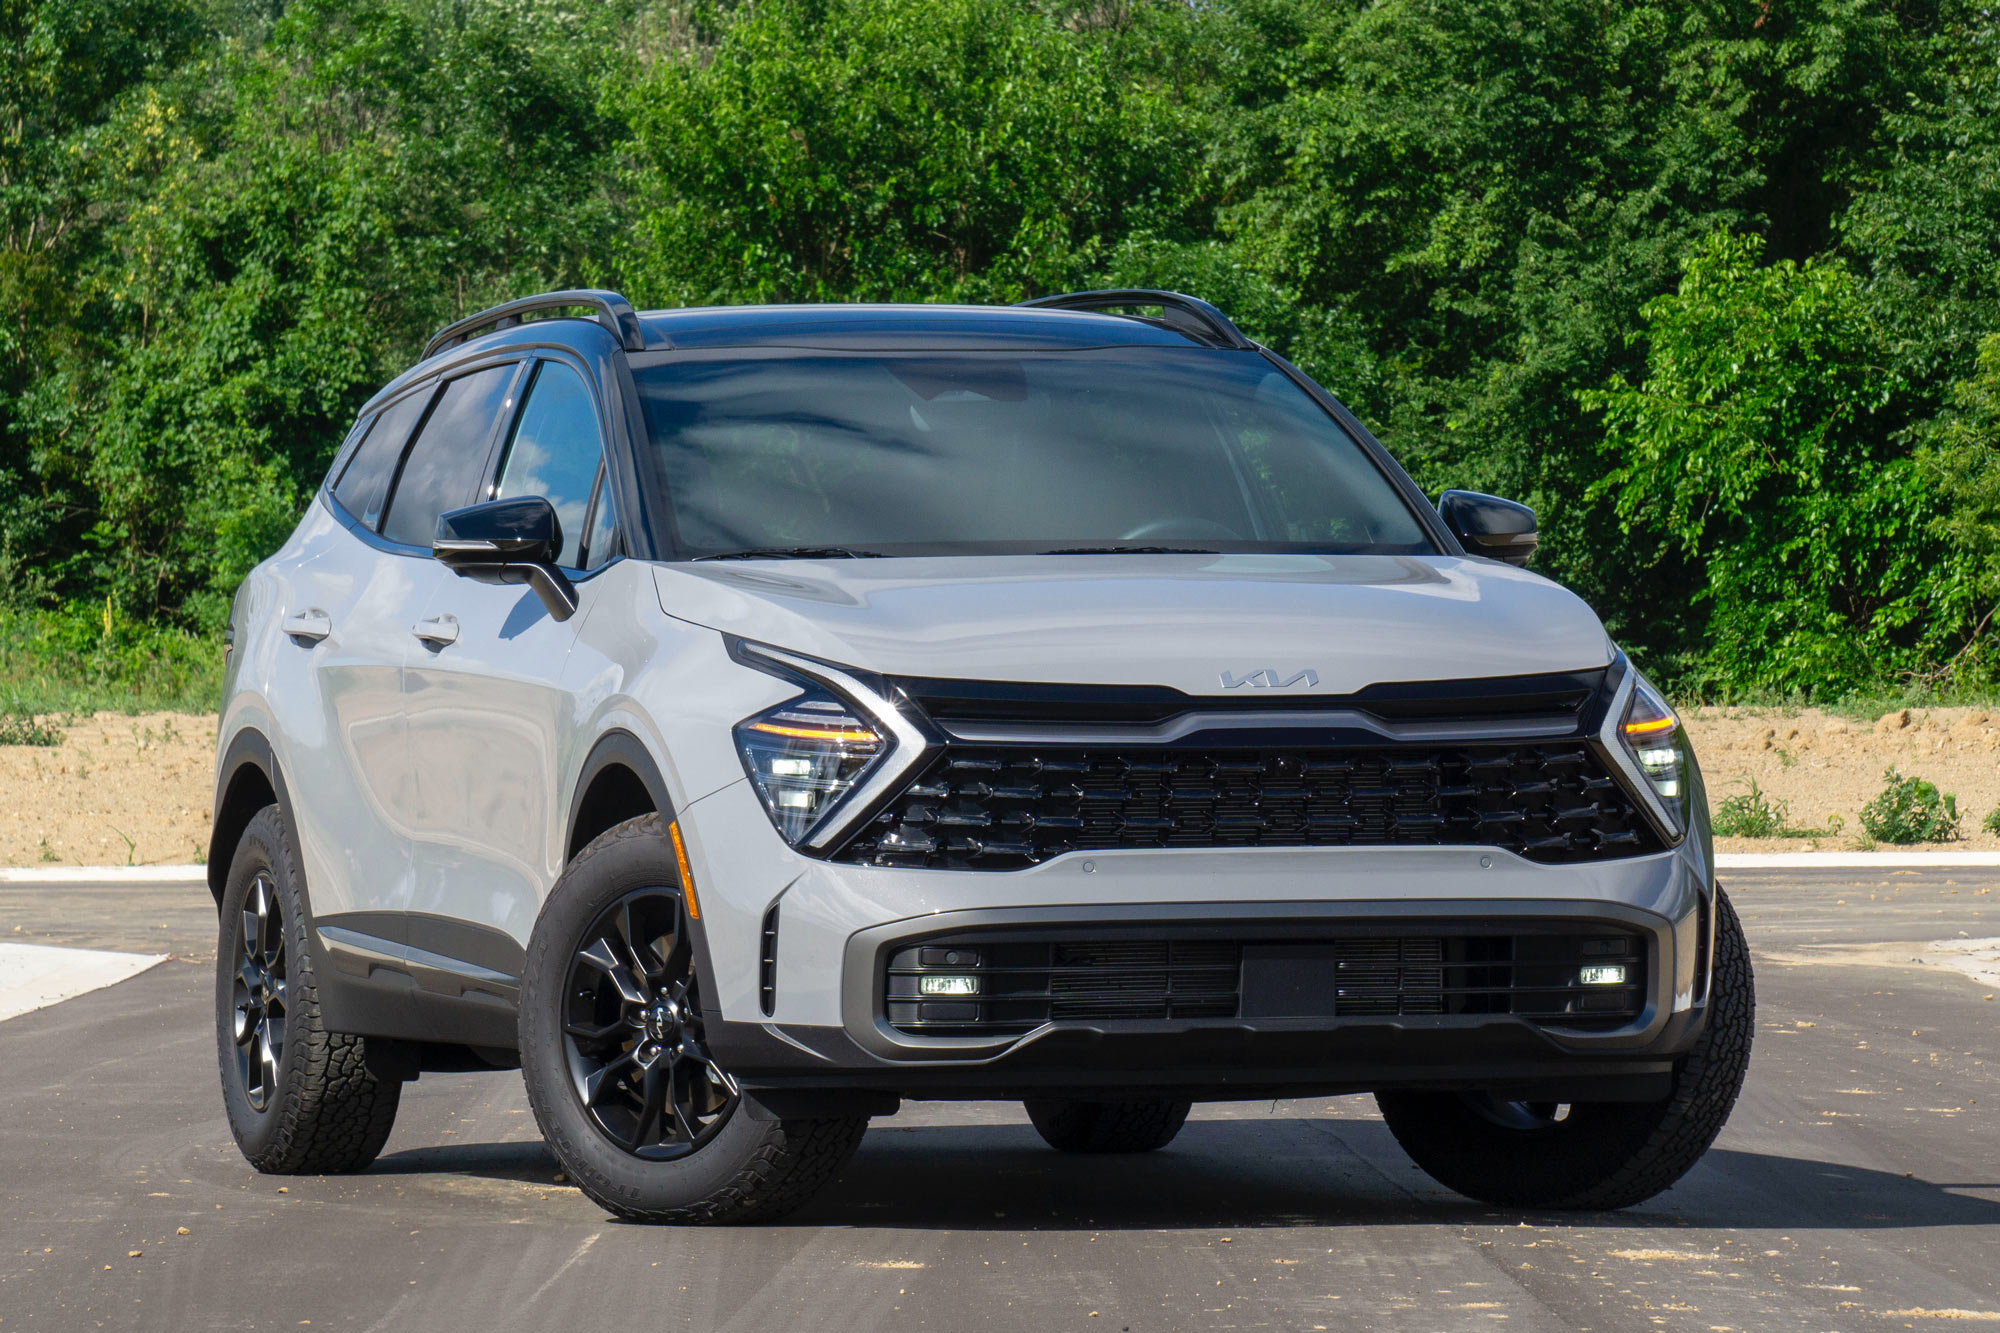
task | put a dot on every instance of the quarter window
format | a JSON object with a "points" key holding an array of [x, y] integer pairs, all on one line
{"points": [[556, 452], [442, 468], [365, 482]]}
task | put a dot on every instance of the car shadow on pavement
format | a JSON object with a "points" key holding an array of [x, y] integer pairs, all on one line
{"points": [[1267, 1173]]}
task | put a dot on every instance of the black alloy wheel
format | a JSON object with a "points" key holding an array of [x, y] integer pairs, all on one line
{"points": [[260, 991], [632, 1031]]}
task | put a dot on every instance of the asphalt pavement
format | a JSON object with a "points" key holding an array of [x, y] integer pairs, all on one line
{"points": [[1857, 1187]]}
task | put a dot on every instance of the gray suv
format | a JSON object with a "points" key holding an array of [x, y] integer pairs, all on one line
{"points": [[740, 720]]}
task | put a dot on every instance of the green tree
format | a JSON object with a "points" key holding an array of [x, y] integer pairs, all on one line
{"points": [[1757, 444]]}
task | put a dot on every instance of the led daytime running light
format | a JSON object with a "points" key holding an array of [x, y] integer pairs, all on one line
{"points": [[839, 736], [1647, 726]]}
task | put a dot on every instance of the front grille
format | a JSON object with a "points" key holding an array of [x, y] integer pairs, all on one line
{"points": [[974, 987], [1002, 807]]}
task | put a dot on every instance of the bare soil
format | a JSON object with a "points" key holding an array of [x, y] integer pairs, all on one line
{"points": [[138, 789], [119, 790]]}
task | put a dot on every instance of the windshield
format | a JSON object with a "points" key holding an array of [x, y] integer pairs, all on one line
{"points": [[999, 453]]}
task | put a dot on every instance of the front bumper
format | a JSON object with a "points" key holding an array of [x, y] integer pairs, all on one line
{"points": [[835, 925]]}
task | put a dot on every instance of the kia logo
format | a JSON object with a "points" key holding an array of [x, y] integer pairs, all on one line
{"points": [[1268, 679]]}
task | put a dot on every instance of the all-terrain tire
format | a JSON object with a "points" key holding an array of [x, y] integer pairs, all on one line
{"points": [[1603, 1154], [1082, 1126], [751, 1170], [328, 1113]]}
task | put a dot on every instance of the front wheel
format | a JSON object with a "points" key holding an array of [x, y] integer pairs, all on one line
{"points": [[1600, 1154], [615, 1055]]}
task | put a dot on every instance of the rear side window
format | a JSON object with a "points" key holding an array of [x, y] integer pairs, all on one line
{"points": [[443, 466], [555, 452], [363, 486]]}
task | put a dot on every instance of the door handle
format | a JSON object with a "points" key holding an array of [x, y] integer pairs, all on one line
{"points": [[437, 631], [312, 626]]}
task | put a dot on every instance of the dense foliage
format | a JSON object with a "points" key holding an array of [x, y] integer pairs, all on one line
{"points": [[1710, 283]]}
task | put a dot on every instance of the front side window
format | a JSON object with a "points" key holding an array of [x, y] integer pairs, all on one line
{"points": [[442, 468], [969, 453], [555, 452]]}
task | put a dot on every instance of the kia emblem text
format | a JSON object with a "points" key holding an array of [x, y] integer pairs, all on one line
{"points": [[1268, 679]]}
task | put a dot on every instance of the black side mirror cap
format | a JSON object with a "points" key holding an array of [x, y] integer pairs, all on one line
{"points": [[516, 540], [1490, 526]]}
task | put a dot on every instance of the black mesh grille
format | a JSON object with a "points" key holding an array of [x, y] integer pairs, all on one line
{"points": [[1003, 807], [974, 987]]}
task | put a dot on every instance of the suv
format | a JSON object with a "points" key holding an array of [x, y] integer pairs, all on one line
{"points": [[742, 719]]}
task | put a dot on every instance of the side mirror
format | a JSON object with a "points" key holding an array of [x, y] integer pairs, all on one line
{"points": [[1490, 526], [515, 540]]}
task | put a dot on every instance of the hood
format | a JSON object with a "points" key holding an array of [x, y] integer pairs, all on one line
{"points": [[1189, 622]]}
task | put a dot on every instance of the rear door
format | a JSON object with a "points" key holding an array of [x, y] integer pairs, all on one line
{"points": [[345, 628], [492, 722]]}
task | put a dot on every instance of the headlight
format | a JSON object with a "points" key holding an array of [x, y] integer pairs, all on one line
{"points": [[1653, 736], [805, 755]]}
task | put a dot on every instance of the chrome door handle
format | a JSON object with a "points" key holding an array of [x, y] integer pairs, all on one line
{"points": [[312, 626], [437, 631]]}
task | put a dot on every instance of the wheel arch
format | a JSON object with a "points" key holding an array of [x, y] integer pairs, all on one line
{"points": [[619, 780], [247, 779]]}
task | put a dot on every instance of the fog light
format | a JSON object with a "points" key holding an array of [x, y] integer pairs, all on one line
{"points": [[949, 985], [1600, 974]]}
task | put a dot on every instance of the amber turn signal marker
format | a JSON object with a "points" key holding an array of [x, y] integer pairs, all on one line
{"points": [[687, 876], [1649, 725]]}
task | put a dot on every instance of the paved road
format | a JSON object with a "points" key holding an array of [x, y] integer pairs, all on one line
{"points": [[1858, 1186]]}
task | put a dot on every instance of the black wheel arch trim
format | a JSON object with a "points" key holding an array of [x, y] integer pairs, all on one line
{"points": [[248, 749]]}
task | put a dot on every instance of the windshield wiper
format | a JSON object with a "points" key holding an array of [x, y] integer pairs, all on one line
{"points": [[794, 553], [1129, 550]]}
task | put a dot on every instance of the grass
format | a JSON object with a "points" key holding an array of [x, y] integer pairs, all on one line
{"points": [[88, 659]]}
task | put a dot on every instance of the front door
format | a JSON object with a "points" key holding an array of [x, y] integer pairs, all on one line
{"points": [[491, 721]]}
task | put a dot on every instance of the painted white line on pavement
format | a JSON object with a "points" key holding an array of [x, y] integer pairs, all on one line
{"points": [[34, 976], [1846, 860], [106, 875]]}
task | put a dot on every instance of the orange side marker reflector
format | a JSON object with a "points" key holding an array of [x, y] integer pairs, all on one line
{"points": [[687, 876]]}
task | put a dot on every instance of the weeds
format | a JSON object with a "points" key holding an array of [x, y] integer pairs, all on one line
{"points": [[1992, 821], [1910, 810], [23, 728], [1756, 814]]}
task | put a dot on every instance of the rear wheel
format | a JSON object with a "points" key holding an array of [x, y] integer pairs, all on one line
{"points": [[1591, 1155], [301, 1100], [614, 1052], [1083, 1126]]}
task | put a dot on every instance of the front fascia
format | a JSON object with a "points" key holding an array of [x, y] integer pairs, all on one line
{"points": [[744, 868]]}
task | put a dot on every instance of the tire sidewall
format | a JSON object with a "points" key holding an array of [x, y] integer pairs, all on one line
{"points": [[263, 848]]}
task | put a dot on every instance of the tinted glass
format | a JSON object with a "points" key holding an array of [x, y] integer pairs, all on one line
{"points": [[1004, 452], [442, 468], [366, 480], [603, 541], [555, 451]]}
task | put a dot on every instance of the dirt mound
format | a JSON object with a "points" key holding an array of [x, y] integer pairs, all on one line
{"points": [[119, 790], [1822, 765]]}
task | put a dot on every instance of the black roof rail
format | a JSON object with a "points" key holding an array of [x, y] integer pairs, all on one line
{"points": [[614, 312], [1183, 314]]}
